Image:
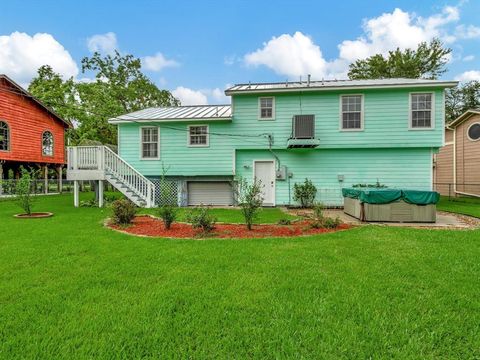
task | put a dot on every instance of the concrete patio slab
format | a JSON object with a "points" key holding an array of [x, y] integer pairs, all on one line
{"points": [[445, 220]]}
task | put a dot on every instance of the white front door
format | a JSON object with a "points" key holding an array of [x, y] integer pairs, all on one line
{"points": [[264, 171]]}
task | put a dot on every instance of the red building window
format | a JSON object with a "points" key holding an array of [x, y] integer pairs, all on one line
{"points": [[4, 136], [47, 143]]}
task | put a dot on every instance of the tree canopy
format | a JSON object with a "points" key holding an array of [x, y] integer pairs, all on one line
{"points": [[462, 98], [118, 87], [428, 61]]}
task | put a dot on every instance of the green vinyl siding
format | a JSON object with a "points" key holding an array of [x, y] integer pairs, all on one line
{"points": [[397, 168], [386, 126], [175, 154], [386, 118]]}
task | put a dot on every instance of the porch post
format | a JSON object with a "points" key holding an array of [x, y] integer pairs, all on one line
{"points": [[100, 193], [45, 178], [60, 179], [76, 200]]}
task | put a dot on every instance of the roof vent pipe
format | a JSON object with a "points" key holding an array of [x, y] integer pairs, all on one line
{"points": [[308, 79]]}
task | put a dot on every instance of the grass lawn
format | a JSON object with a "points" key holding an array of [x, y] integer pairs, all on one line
{"points": [[70, 288], [461, 205]]}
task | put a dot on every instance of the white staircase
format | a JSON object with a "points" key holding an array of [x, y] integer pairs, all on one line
{"points": [[100, 163]]}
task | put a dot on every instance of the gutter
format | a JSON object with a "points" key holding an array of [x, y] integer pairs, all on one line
{"points": [[125, 121], [446, 84]]}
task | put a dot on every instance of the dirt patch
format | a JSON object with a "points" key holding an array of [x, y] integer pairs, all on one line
{"points": [[34, 215], [150, 226]]}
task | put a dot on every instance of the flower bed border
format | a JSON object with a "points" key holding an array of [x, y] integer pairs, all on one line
{"points": [[34, 215]]}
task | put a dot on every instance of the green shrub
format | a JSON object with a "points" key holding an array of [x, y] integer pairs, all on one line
{"points": [[123, 211], [249, 198], [318, 211], [168, 214], [89, 203], [201, 218], [329, 223], [284, 222], [319, 221], [304, 193], [23, 191]]}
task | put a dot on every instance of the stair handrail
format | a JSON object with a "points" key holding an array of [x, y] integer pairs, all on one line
{"points": [[128, 175]]}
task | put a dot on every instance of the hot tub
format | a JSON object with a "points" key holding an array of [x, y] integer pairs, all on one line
{"points": [[392, 205]]}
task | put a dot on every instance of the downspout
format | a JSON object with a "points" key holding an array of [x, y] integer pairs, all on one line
{"points": [[455, 160]]}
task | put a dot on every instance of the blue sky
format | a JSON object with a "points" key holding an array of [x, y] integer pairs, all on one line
{"points": [[197, 48]]}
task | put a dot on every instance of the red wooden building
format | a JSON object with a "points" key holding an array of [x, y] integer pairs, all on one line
{"points": [[31, 135]]}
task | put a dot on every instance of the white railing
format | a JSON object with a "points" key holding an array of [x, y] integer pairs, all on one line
{"points": [[114, 165], [85, 158], [101, 158]]}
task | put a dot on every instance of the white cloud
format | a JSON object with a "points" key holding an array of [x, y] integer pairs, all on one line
{"points": [[103, 43], [157, 62], [467, 32], [190, 97], [469, 76], [290, 55], [468, 58], [296, 55], [217, 95], [397, 29], [21, 55]]}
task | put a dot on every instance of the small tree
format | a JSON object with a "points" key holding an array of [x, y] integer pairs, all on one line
{"points": [[201, 218], [249, 198], [23, 191], [305, 193]]}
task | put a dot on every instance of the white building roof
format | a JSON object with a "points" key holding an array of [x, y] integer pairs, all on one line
{"points": [[335, 84], [177, 113]]}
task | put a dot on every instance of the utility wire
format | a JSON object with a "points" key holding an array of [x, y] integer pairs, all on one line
{"points": [[134, 118]]}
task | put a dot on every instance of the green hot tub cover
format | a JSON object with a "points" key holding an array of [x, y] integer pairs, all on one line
{"points": [[386, 196]]}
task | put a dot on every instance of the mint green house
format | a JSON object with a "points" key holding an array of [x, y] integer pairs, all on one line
{"points": [[336, 133]]}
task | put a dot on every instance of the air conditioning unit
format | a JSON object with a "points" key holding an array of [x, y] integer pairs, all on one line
{"points": [[303, 127]]}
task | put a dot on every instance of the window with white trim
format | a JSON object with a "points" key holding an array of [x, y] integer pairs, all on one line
{"points": [[198, 135], [150, 142], [4, 136], [421, 110], [352, 116], [266, 108], [47, 143]]}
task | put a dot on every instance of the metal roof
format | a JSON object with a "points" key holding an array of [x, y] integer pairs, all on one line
{"points": [[335, 84], [177, 113]]}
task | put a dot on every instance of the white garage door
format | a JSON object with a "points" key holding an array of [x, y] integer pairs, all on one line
{"points": [[210, 193]]}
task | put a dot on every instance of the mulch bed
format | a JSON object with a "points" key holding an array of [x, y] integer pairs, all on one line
{"points": [[149, 226]]}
